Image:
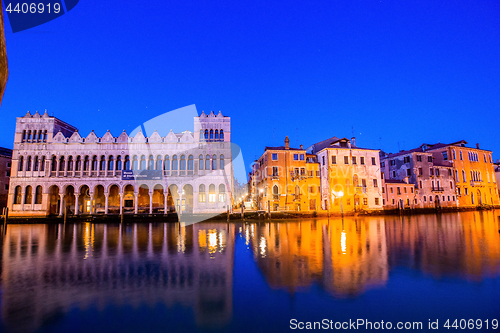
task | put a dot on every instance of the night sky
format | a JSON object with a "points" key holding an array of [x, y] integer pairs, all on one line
{"points": [[393, 74]]}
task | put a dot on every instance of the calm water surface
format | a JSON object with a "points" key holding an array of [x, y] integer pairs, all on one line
{"points": [[249, 276]]}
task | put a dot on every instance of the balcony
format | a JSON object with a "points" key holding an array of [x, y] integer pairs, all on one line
{"points": [[476, 183], [437, 189]]}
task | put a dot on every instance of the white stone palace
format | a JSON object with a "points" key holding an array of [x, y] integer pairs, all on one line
{"points": [[56, 171]]}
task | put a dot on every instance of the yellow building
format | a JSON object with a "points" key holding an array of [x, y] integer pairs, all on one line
{"points": [[286, 179], [350, 176], [473, 170]]}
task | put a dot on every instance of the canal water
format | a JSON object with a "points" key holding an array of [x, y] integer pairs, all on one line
{"points": [[251, 276]]}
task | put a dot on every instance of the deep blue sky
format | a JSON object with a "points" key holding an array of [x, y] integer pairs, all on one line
{"points": [[397, 74]]}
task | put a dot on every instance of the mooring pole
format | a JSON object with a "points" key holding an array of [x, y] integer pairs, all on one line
{"points": [[268, 210]]}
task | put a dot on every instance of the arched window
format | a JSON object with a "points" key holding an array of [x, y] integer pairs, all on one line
{"points": [[206, 134], [211, 134], [61, 163], [21, 162], [42, 164], [183, 163], [174, 162], [54, 164], [355, 180], [102, 165], [151, 163], [216, 134], [297, 191], [28, 163], [158, 162], [45, 136], [276, 192], [207, 162], [29, 135], [111, 162], [35, 164], [94, 163], [24, 136], [222, 193], [70, 163], [126, 165], [135, 163], [38, 195], [201, 135], [200, 162], [221, 135], [143, 162], [190, 162], [166, 165], [214, 162], [202, 194], [86, 164], [27, 195], [463, 176], [221, 162], [211, 193], [17, 195], [118, 162]]}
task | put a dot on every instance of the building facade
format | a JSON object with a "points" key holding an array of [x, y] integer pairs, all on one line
{"points": [[433, 180], [5, 170], [399, 194], [350, 176], [473, 172], [285, 179], [56, 171]]}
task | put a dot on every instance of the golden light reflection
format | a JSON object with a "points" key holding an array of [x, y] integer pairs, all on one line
{"points": [[202, 240], [343, 242], [262, 247], [212, 241], [88, 237]]}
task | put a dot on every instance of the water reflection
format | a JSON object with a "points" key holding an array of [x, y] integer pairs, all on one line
{"points": [[346, 257], [47, 270]]}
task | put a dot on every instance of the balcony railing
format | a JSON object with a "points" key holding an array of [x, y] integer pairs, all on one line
{"points": [[437, 189]]}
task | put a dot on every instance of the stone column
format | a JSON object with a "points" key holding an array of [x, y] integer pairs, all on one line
{"points": [[61, 204], [91, 203], [136, 195], [106, 195], [121, 203], [150, 202], [77, 204], [165, 194]]}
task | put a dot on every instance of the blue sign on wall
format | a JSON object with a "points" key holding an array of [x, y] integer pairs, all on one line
{"points": [[142, 175]]}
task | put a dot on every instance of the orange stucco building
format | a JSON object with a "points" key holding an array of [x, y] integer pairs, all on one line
{"points": [[474, 173], [286, 179]]}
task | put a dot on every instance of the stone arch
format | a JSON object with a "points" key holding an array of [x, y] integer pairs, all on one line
{"points": [[113, 199], [158, 198], [172, 197], [143, 199], [187, 199], [99, 199], [54, 200], [69, 199], [128, 198]]}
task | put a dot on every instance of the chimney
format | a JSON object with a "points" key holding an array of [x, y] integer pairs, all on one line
{"points": [[287, 143], [477, 145], [353, 141], [301, 147], [406, 180]]}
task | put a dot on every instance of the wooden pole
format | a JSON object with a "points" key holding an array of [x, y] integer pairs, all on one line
{"points": [[268, 210]]}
